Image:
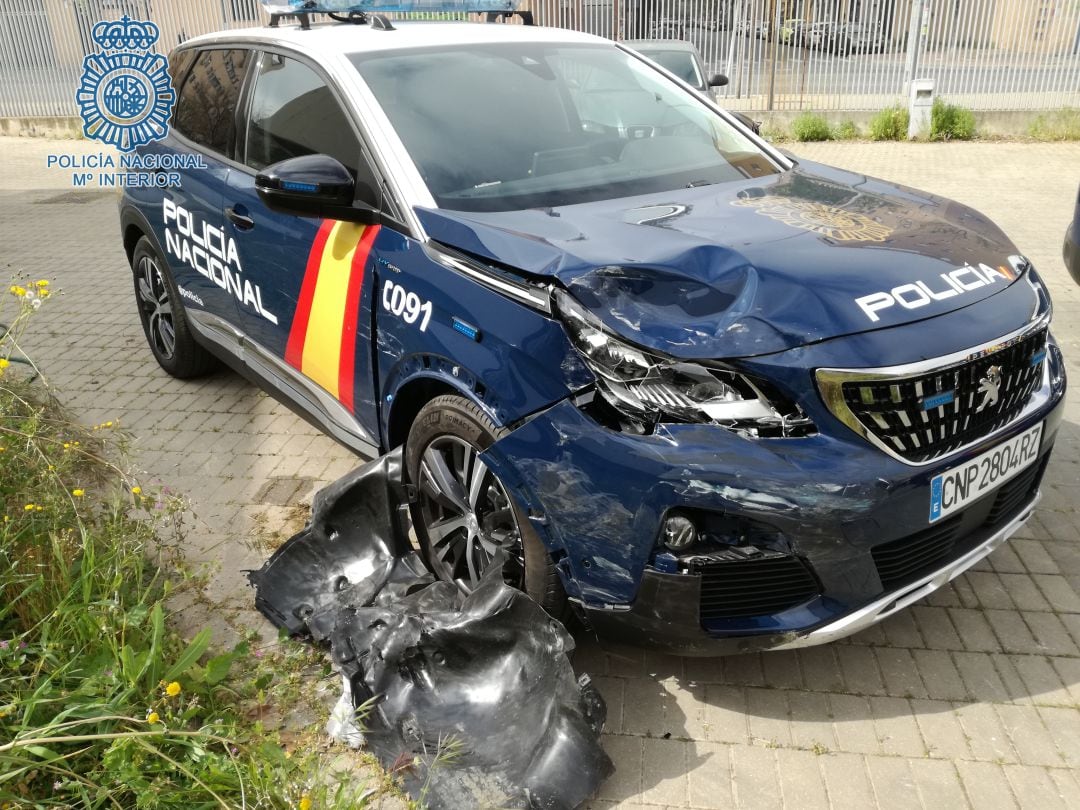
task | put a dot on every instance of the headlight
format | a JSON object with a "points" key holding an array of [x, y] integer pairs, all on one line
{"points": [[647, 386]]}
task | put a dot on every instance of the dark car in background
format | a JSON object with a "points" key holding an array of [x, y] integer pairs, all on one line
{"points": [[1072, 244], [849, 38]]}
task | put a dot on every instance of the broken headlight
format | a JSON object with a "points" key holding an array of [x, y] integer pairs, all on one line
{"points": [[651, 388]]}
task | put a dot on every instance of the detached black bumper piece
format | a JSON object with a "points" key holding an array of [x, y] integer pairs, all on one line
{"points": [[476, 690]]}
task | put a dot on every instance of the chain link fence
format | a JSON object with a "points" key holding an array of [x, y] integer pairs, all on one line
{"points": [[778, 54]]}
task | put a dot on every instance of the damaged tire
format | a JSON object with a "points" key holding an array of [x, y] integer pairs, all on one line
{"points": [[464, 513], [162, 315]]}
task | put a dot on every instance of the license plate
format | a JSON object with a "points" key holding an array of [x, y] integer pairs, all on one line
{"points": [[955, 489]]}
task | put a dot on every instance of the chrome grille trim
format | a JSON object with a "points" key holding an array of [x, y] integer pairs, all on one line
{"points": [[831, 383]]}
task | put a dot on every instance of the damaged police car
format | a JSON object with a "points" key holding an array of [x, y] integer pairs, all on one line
{"points": [[714, 398]]}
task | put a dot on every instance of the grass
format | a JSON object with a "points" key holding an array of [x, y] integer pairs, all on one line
{"points": [[102, 704], [950, 122], [810, 127], [1058, 125], [890, 124], [846, 131]]}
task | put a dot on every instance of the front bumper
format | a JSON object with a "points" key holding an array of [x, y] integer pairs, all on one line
{"points": [[598, 498], [665, 615]]}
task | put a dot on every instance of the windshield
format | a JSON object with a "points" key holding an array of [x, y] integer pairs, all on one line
{"points": [[506, 127], [681, 63]]}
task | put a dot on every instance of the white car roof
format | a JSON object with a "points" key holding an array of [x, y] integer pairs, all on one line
{"points": [[347, 38]]}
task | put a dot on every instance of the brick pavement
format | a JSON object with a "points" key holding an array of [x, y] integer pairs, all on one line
{"points": [[970, 698]]}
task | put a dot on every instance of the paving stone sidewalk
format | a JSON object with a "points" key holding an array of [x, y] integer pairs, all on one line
{"points": [[970, 698]]}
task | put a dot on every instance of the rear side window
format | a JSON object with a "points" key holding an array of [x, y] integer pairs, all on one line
{"points": [[179, 62], [206, 110], [294, 113]]}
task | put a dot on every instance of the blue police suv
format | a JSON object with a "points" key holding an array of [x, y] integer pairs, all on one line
{"points": [[710, 397]]}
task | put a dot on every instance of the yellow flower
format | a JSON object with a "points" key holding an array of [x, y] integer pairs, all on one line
{"points": [[78, 493], [305, 803], [43, 283], [39, 508], [4, 362], [18, 292], [136, 490], [29, 507], [152, 717], [173, 689]]}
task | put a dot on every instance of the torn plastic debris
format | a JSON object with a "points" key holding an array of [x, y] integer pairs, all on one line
{"points": [[473, 698]]}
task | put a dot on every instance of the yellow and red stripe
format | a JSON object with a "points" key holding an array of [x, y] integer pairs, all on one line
{"points": [[322, 338]]}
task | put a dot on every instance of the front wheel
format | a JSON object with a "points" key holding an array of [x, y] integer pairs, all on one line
{"points": [[464, 514]]}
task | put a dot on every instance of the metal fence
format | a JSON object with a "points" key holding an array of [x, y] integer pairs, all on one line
{"points": [[778, 54]]}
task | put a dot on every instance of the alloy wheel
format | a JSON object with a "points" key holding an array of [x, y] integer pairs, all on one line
{"points": [[156, 307], [467, 515]]}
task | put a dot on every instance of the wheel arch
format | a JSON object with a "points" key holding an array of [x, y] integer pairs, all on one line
{"points": [[134, 226], [414, 393]]}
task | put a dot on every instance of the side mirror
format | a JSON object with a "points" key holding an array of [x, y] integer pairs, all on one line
{"points": [[718, 80], [314, 186]]}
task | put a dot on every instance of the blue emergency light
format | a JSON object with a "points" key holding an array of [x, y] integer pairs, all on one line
{"points": [[352, 8]]}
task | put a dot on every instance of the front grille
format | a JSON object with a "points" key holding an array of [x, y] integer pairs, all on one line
{"points": [[926, 416], [732, 589]]}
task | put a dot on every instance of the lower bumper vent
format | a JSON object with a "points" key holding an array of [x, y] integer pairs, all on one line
{"points": [[905, 560], [732, 589]]}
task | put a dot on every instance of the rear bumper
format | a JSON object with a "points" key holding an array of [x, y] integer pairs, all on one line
{"points": [[665, 614]]}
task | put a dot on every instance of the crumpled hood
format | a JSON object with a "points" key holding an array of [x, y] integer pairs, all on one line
{"points": [[754, 267]]}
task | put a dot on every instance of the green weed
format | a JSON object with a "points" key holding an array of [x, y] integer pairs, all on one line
{"points": [[949, 122], [810, 127], [102, 704], [1058, 125], [846, 131], [890, 124]]}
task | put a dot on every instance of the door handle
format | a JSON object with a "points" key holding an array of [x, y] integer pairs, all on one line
{"points": [[241, 221]]}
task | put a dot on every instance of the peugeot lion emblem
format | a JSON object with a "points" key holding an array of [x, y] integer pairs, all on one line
{"points": [[990, 388]]}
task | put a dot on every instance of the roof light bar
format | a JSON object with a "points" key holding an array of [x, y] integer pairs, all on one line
{"points": [[277, 8]]}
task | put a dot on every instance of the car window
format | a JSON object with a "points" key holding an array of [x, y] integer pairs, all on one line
{"points": [[206, 110], [681, 63], [294, 113], [504, 127]]}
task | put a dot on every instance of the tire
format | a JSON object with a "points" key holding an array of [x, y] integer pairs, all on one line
{"points": [[163, 318], [444, 440]]}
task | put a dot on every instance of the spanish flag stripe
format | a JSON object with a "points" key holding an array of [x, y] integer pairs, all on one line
{"points": [[347, 369], [326, 321], [294, 348]]}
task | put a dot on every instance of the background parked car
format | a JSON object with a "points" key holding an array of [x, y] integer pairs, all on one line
{"points": [[667, 28], [684, 60], [1072, 244], [849, 38], [792, 32], [818, 36], [760, 29]]}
